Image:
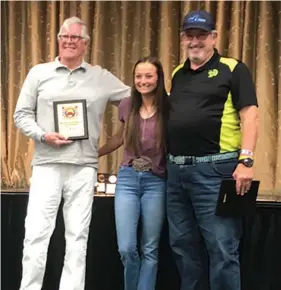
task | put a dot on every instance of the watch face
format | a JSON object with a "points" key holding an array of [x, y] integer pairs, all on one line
{"points": [[248, 162]]}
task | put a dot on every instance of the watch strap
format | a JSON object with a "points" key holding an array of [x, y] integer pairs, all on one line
{"points": [[241, 157]]}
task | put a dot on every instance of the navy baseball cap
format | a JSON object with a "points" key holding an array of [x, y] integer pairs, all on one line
{"points": [[198, 19]]}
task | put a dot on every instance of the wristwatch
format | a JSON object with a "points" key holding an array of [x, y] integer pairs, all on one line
{"points": [[42, 139], [248, 162]]}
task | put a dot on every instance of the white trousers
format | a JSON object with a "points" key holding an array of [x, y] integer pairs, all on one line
{"points": [[49, 183]]}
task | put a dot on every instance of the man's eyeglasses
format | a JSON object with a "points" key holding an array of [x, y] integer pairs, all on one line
{"points": [[73, 38], [201, 36]]}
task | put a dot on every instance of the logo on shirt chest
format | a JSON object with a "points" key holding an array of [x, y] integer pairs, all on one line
{"points": [[212, 73]]}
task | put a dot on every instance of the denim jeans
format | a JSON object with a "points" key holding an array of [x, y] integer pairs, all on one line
{"points": [[139, 196], [204, 245]]}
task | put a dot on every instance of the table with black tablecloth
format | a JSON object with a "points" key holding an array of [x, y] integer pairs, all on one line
{"points": [[260, 248]]}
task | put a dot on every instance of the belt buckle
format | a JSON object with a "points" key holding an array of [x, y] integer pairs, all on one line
{"points": [[141, 164], [189, 160], [182, 160]]}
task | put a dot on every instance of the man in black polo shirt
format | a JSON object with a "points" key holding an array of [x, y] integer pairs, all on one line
{"points": [[211, 97]]}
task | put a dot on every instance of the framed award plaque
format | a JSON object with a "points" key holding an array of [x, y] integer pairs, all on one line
{"points": [[71, 119]]}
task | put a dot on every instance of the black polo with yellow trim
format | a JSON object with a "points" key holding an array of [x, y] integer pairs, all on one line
{"points": [[205, 105]]}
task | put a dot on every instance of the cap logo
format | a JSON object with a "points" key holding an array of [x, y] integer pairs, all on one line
{"points": [[196, 18]]}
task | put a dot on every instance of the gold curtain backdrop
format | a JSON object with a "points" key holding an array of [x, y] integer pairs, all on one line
{"points": [[121, 33]]}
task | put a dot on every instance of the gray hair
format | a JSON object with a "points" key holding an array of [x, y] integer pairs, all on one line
{"points": [[75, 20]]}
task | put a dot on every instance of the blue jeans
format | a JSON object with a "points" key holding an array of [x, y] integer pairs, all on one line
{"points": [[139, 195], [203, 244]]}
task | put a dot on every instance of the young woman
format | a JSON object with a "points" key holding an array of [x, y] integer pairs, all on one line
{"points": [[140, 189]]}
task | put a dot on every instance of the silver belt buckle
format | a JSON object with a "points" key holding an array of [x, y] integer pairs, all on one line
{"points": [[141, 164]]}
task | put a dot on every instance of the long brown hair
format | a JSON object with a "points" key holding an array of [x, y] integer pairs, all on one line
{"points": [[132, 127]]}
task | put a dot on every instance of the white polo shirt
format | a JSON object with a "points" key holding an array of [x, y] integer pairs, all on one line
{"points": [[49, 82]]}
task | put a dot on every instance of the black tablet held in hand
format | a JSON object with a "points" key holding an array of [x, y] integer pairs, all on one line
{"points": [[230, 204]]}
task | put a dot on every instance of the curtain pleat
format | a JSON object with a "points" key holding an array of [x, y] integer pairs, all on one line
{"points": [[123, 32]]}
